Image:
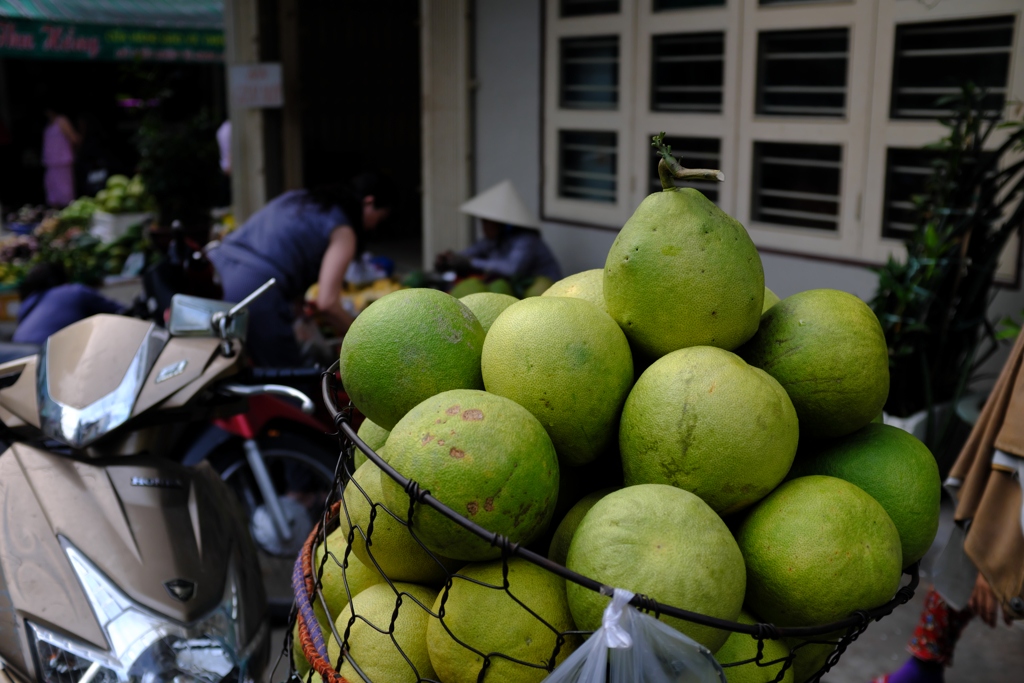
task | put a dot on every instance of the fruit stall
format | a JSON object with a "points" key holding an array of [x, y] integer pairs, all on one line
{"points": [[93, 238], [652, 471]]}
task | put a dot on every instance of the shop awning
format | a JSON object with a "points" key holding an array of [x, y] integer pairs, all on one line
{"points": [[117, 30]]}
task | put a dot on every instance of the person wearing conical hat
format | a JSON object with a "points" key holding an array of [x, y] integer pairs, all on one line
{"points": [[512, 245]]}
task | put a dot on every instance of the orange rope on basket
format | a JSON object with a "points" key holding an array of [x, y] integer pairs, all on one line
{"points": [[319, 664]]}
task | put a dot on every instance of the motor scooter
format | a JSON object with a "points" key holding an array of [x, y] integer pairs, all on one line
{"points": [[117, 563]]}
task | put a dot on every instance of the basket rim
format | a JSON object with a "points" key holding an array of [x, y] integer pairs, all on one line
{"points": [[342, 419]]}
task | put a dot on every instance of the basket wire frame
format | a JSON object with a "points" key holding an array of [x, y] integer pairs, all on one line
{"points": [[308, 577]]}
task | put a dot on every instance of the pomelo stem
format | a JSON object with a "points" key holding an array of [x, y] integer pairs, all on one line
{"points": [[669, 169]]}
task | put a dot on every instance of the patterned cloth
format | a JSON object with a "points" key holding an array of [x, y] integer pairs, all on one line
{"points": [[937, 632]]}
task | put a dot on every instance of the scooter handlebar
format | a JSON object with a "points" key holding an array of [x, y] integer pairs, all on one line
{"points": [[306, 402]]}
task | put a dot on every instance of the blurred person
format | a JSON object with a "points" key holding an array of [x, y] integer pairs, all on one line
{"points": [[49, 303], [301, 237], [511, 247], [988, 539], [224, 145], [59, 142]]}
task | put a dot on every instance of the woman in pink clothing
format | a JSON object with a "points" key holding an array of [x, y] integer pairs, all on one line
{"points": [[59, 141]]}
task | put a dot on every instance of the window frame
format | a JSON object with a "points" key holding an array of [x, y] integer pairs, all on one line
{"points": [[720, 125], [864, 133], [563, 209], [887, 132]]}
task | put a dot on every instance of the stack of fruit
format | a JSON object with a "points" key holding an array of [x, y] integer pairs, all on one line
{"points": [[124, 195], [79, 212], [685, 434]]}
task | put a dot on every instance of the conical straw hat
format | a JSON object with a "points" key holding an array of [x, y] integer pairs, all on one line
{"points": [[503, 204]]}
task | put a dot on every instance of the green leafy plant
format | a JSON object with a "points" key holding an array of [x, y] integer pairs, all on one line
{"points": [[933, 305]]}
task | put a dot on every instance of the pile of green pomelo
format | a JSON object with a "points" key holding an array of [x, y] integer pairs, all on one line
{"points": [[664, 425]]}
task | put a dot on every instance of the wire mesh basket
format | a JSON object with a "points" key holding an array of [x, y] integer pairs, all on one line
{"points": [[307, 580]]}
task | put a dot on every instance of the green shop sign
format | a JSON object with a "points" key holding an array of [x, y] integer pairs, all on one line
{"points": [[51, 40]]}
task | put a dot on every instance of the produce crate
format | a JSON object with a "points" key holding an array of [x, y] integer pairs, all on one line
{"points": [[107, 227], [307, 575]]}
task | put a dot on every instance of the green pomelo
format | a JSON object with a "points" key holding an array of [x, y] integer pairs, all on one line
{"points": [[770, 299], [371, 646], [683, 273], [485, 457], [374, 436], [501, 286], [358, 575], [397, 553], [705, 421], [406, 347], [879, 419], [811, 657], [558, 551], [741, 647], [487, 306], [665, 543], [588, 285], [487, 619], [895, 469], [471, 285], [568, 363], [827, 350], [817, 549], [539, 285]]}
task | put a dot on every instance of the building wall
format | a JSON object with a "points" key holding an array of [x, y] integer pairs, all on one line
{"points": [[508, 53]]}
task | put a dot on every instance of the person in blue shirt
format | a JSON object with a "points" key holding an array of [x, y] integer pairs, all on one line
{"points": [[511, 247], [49, 303], [300, 238]]}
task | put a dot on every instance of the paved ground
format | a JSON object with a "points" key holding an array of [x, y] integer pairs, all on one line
{"points": [[983, 654]]}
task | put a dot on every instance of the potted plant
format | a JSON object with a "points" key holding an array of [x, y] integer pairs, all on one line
{"points": [[933, 306]]}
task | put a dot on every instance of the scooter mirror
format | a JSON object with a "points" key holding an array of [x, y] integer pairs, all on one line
{"points": [[192, 316]]}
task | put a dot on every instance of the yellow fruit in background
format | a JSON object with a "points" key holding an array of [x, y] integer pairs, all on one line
{"points": [[827, 350], [817, 549], [588, 285], [487, 306], [665, 543], [488, 620], [683, 273], [741, 647], [391, 545], [705, 421], [568, 363], [558, 551], [371, 646], [811, 656], [770, 299], [539, 285], [406, 347], [374, 436], [471, 285], [359, 577]]}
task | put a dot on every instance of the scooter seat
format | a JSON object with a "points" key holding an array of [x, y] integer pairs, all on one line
{"points": [[13, 351]]}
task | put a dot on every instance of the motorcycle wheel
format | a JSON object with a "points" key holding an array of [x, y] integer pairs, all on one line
{"points": [[302, 470]]}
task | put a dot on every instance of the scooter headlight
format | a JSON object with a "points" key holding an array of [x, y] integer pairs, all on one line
{"points": [[145, 647]]}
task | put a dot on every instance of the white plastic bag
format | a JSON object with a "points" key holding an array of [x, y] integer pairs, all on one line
{"points": [[639, 649]]}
